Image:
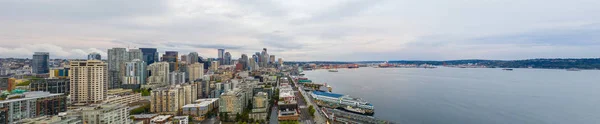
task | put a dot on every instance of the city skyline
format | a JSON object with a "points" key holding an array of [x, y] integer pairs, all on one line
{"points": [[306, 30]]}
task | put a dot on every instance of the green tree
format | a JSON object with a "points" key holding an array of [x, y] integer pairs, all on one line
{"points": [[311, 110]]}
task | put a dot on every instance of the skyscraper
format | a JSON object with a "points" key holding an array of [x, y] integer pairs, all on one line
{"points": [[171, 58], [135, 72], [94, 56], [221, 53], [193, 58], [227, 59], [116, 63], [88, 81], [39, 64], [149, 55]]}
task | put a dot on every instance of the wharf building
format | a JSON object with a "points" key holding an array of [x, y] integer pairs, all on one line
{"points": [[31, 105]]}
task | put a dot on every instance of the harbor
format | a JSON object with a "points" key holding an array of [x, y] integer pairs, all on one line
{"points": [[336, 108]]}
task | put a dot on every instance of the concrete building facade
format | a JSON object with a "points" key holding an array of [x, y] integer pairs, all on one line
{"points": [[88, 81]]}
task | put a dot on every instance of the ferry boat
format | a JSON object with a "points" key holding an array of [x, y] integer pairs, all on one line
{"points": [[333, 70], [573, 69], [508, 69], [345, 102]]}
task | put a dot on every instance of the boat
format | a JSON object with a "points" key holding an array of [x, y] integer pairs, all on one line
{"points": [[355, 110], [345, 102], [573, 69], [333, 70], [508, 69]]}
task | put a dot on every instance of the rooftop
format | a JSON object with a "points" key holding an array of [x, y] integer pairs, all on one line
{"points": [[161, 118], [144, 115], [32, 95], [327, 94]]}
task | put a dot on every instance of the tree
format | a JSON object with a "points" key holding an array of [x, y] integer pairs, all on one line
{"points": [[311, 110]]}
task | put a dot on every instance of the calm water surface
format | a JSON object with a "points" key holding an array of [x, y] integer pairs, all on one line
{"points": [[472, 96]]}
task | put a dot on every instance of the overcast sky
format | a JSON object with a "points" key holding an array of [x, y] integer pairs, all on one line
{"points": [[306, 30]]}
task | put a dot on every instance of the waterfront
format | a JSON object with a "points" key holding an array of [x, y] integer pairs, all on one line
{"points": [[471, 95]]}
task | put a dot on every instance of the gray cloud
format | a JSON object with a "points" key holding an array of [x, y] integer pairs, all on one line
{"points": [[306, 30]]}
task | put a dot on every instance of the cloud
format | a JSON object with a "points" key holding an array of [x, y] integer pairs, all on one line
{"points": [[305, 30]]}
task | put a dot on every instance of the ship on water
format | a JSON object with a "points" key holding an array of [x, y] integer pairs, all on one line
{"points": [[345, 102]]}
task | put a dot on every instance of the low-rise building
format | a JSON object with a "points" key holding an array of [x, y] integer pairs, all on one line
{"points": [[161, 119], [52, 85], [143, 118], [288, 106], [200, 108], [180, 120], [31, 105], [51, 120], [105, 114], [122, 96]]}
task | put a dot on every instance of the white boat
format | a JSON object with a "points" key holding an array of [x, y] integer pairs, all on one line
{"points": [[357, 110], [333, 70]]}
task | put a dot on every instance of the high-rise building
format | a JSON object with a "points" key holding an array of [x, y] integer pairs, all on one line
{"points": [[192, 58], [116, 64], [227, 59], [94, 56], [272, 59], [252, 63], [280, 61], [184, 59], [31, 105], [221, 53], [195, 71], [159, 73], [171, 58], [52, 85], [7, 84], [135, 72], [169, 100], [214, 66], [232, 102], [244, 61], [88, 81], [150, 55], [177, 77], [39, 64], [135, 54]]}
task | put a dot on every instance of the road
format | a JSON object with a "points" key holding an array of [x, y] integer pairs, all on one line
{"points": [[304, 114]]}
